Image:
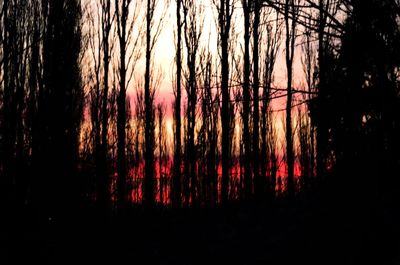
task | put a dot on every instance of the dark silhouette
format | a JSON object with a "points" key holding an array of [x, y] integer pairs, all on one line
{"points": [[121, 14], [225, 12], [149, 145], [290, 17], [126, 18], [258, 181], [192, 33], [248, 180], [270, 168], [106, 22], [177, 110], [267, 152]]}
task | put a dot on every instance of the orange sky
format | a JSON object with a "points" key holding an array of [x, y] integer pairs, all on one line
{"points": [[165, 53]]}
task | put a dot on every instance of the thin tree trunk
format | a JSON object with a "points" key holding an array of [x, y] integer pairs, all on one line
{"points": [[149, 155], [121, 119], [248, 183], [106, 25], [321, 130], [258, 182], [290, 38], [225, 16], [6, 163], [177, 151]]}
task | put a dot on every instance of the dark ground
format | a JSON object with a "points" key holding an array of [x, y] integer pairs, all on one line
{"points": [[309, 231]]}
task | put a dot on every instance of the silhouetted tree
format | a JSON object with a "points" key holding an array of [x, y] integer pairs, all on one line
{"points": [[258, 180], [225, 11], [208, 134], [193, 24], [162, 149], [307, 130], [7, 148], [130, 149], [290, 17], [126, 19], [363, 81], [177, 111], [322, 130], [248, 181], [139, 115], [106, 24], [149, 156], [273, 31], [153, 30], [60, 109]]}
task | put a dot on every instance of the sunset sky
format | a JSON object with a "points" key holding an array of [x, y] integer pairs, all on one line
{"points": [[165, 53]]}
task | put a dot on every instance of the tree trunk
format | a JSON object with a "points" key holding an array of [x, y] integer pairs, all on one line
{"points": [[321, 128], [149, 155], [258, 181], [121, 119], [177, 152], [290, 38], [7, 142], [248, 183], [225, 16], [104, 194]]}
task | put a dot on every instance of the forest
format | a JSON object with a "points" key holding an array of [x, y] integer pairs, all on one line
{"points": [[279, 134]]}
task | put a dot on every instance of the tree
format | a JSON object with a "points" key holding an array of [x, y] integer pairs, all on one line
{"points": [[193, 24], [5, 111], [153, 31], [307, 130], [248, 183], [60, 110], [128, 56], [106, 24], [322, 130], [208, 135], [258, 181], [225, 11], [273, 30], [290, 17], [363, 81], [177, 111], [162, 149], [98, 18]]}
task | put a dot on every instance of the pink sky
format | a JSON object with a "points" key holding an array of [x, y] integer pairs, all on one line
{"points": [[164, 55]]}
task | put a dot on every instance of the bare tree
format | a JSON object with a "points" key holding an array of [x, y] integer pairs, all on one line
{"points": [[177, 112], [224, 11], [60, 96], [106, 24], [290, 17], [307, 130], [193, 24], [273, 32], [126, 19], [162, 149], [208, 134], [322, 134], [248, 182], [153, 30], [94, 40], [258, 181], [7, 152]]}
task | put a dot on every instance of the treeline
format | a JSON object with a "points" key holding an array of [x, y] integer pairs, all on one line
{"points": [[70, 133]]}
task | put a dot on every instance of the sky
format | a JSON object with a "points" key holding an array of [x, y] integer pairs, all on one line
{"points": [[164, 58], [165, 52], [163, 61]]}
